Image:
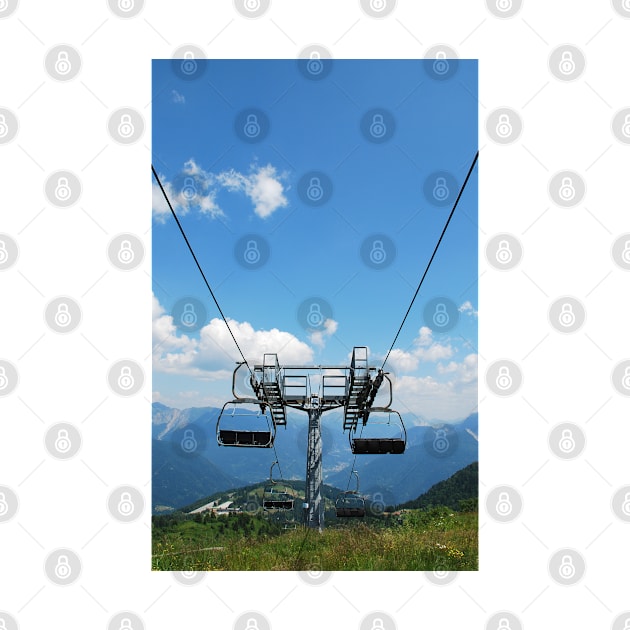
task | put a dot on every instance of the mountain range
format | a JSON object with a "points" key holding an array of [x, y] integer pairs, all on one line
{"points": [[188, 464]]}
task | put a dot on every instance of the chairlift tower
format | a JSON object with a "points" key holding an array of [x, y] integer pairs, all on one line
{"points": [[314, 389]]}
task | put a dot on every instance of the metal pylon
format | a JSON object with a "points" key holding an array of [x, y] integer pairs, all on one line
{"points": [[313, 499]]}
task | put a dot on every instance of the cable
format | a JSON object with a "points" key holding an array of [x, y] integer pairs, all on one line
{"points": [[354, 461], [461, 190], [203, 275], [277, 461]]}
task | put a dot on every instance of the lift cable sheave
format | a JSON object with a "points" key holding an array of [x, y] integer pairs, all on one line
{"points": [[450, 216]]}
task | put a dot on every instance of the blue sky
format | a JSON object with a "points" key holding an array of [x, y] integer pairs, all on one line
{"points": [[230, 188]]}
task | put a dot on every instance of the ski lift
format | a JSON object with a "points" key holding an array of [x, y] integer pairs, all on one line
{"points": [[389, 443], [350, 503], [277, 496], [245, 423]]}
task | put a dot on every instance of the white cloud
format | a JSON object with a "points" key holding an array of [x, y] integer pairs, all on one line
{"points": [[263, 186], [425, 336], [266, 191], [318, 337], [193, 190], [424, 349], [160, 207], [197, 189], [469, 309], [213, 356], [465, 372], [437, 399], [402, 361], [178, 98]]}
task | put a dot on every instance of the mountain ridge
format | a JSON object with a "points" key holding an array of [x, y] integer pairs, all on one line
{"points": [[396, 478]]}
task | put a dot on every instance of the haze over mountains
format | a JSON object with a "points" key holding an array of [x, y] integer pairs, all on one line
{"points": [[188, 464]]}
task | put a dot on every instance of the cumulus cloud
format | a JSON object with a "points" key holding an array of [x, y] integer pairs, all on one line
{"points": [[443, 399], [469, 309], [213, 355], [263, 186], [192, 190], [318, 337], [424, 349], [197, 189]]}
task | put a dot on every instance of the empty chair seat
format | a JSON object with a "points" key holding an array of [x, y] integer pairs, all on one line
{"points": [[245, 438], [377, 446], [278, 504], [345, 512], [350, 503], [245, 423]]}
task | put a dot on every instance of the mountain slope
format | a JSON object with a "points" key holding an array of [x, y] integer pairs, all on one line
{"points": [[461, 486], [179, 480]]}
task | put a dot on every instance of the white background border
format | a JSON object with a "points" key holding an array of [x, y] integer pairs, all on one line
{"points": [[63, 378]]}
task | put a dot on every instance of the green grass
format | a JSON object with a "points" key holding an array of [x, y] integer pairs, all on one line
{"points": [[436, 539]]}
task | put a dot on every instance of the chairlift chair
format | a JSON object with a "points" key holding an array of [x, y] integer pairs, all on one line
{"points": [[380, 445], [240, 414], [350, 503], [277, 496]]}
